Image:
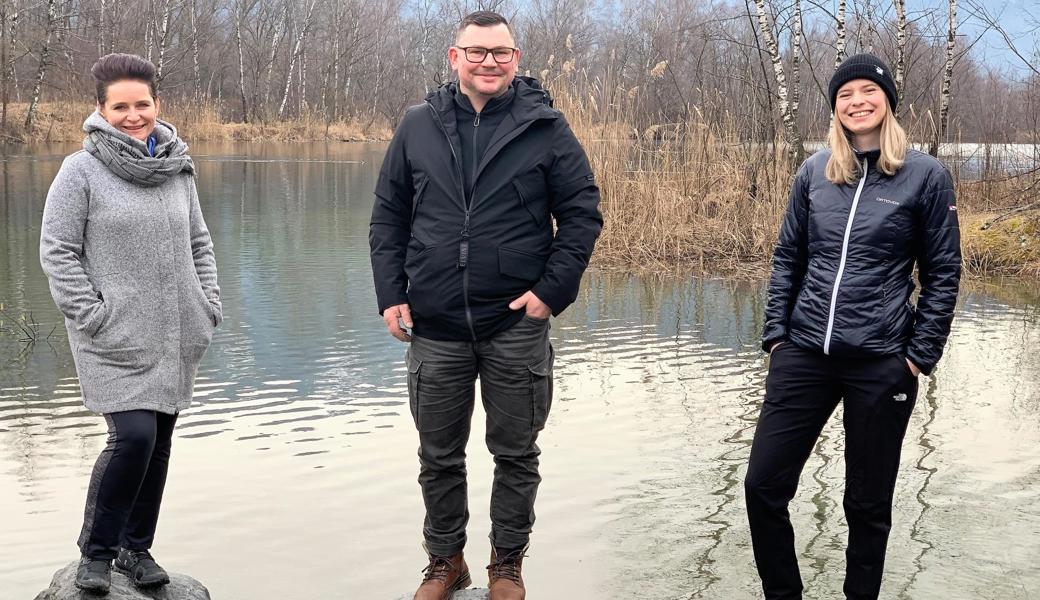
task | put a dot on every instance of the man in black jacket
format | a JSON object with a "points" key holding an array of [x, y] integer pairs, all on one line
{"points": [[465, 256]]}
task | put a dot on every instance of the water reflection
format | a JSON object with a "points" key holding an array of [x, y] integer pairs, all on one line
{"points": [[300, 440]]}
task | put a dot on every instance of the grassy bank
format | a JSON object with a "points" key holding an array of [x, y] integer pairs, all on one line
{"points": [[698, 196], [62, 122]]}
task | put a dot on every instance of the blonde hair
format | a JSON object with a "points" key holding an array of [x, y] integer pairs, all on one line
{"points": [[842, 167]]}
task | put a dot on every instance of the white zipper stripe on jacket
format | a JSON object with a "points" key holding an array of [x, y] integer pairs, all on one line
{"points": [[841, 265]]}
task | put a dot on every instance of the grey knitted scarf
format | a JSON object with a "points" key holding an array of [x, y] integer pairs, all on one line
{"points": [[128, 157]]}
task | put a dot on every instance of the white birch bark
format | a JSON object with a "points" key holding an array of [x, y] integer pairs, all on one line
{"points": [[944, 91], [300, 37], [276, 38], [787, 115], [900, 49], [241, 59], [162, 33], [41, 72], [196, 71], [839, 44]]}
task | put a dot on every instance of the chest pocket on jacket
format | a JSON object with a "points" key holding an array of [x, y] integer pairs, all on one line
{"points": [[533, 196]]}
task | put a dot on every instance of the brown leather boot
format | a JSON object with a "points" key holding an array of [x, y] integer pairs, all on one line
{"points": [[443, 577], [504, 579]]}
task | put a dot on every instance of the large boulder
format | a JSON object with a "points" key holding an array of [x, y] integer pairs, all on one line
{"points": [[181, 587]]}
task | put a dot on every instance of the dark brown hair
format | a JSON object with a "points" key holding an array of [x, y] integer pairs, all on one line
{"points": [[484, 18], [111, 68]]}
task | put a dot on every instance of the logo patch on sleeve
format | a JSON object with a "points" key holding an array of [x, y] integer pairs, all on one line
{"points": [[953, 208]]}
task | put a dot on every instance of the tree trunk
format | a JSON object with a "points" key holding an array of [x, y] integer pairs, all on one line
{"points": [[241, 60], [900, 49], [295, 54], [279, 30], [842, 33], [944, 91], [196, 71], [163, 31], [787, 111], [41, 72]]}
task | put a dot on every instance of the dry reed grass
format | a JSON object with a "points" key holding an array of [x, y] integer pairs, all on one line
{"points": [[62, 122]]}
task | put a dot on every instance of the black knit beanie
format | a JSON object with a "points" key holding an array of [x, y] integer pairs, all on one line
{"points": [[863, 66]]}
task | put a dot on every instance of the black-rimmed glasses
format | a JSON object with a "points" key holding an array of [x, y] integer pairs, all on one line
{"points": [[477, 54]]}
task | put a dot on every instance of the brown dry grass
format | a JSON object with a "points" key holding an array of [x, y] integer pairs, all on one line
{"points": [[62, 122]]}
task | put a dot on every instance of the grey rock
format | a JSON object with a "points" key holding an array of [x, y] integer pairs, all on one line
{"points": [[181, 587], [470, 594]]}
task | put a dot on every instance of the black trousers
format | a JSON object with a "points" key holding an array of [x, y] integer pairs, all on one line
{"points": [[802, 390], [515, 370], [126, 486]]}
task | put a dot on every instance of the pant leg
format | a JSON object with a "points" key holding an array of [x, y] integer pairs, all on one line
{"points": [[140, 528], [879, 400], [114, 484], [516, 387], [441, 377], [801, 394]]}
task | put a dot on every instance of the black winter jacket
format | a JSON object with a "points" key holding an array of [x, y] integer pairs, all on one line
{"points": [[457, 266], [843, 267]]}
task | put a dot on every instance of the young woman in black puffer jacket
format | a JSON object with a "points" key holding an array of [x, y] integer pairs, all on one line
{"points": [[841, 327]]}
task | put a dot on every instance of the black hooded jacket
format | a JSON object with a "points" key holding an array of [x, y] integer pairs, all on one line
{"points": [[843, 268], [459, 264]]}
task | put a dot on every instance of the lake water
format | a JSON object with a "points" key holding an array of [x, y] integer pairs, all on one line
{"points": [[294, 473]]}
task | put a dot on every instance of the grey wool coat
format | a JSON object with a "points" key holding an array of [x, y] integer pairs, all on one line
{"points": [[131, 267]]}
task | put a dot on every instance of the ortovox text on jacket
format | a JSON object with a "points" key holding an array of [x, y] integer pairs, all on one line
{"points": [[843, 267], [459, 264]]}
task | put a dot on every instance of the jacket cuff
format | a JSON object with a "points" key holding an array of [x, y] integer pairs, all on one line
{"points": [[550, 297], [926, 367], [395, 301]]}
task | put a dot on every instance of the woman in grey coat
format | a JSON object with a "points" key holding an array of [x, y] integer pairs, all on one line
{"points": [[130, 265]]}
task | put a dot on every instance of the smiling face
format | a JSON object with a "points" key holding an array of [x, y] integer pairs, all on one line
{"points": [[488, 79], [130, 108], [861, 106]]}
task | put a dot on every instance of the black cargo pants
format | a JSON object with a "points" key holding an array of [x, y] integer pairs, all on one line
{"points": [[803, 388], [515, 371]]}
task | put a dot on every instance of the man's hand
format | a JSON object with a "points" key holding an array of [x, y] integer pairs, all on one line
{"points": [[913, 368], [775, 345], [394, 316], [535, 307]]}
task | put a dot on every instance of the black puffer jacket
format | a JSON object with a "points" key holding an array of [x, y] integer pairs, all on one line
{"points": [[458, 265], [843, 267]]}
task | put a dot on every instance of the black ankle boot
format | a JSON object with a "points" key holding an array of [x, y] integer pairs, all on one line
{"points": [[141, 568], [94, 575]]}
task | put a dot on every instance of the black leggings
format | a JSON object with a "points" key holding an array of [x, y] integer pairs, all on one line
{"points": [[127, 484], [802, 389]]}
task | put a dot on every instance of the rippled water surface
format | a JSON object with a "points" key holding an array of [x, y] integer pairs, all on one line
{"points": [[293, 474]]}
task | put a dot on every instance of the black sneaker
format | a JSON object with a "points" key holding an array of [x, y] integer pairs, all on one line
{"points": [[141, 568], [94, 575]]}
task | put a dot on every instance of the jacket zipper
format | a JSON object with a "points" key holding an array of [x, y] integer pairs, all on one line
{"points": [[841, 264], [464, 243]]}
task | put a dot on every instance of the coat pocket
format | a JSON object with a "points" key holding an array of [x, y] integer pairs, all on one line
{"points": [[521, 264], [414, 366], [542, 388]]}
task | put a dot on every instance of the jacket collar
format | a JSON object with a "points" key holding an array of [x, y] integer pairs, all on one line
{"points": [[531, 101]]}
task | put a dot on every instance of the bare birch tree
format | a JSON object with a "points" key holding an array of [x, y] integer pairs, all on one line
{"points": [[839, 43], [41, 72], [295, 54], [900, 49], [947, 77], [788, 112]]}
